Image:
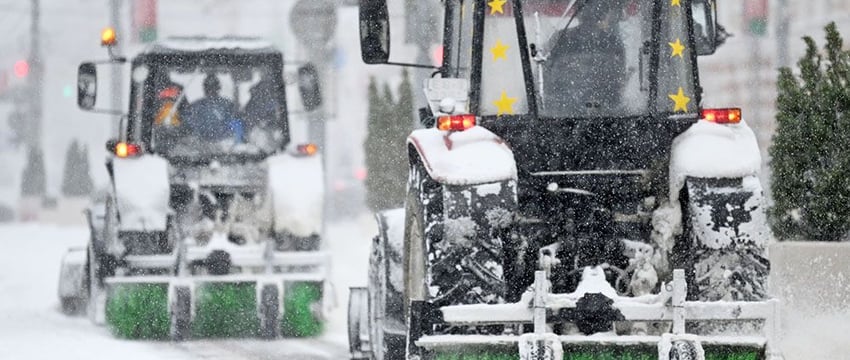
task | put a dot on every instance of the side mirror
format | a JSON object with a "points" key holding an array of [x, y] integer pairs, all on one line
{"points": [[86, 86], [704, 18], [309, 87], [374, 31]]}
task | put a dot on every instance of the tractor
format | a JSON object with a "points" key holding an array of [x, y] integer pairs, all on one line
{"points": [[568, 196], [212, 223]]}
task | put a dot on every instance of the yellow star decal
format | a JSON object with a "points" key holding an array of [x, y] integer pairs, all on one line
{"points": [[680, 101], [499, 50], [496, 6], [675, 3], [505, 104], [677, 47]]}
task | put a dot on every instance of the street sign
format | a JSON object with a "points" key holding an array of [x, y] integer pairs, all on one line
{"points": [[313, 22]]}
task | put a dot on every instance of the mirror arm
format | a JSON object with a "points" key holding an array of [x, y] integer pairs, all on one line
{"points": [[115, 58], [106, 111], [438, 68]]}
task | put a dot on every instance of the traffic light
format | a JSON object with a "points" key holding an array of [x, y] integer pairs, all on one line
{"points": [[21, 69], [755, 16]]}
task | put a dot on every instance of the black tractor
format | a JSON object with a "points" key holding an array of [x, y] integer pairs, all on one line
{"points": [[566, 138]]}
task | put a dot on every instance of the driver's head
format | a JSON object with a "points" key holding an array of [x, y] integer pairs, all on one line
{"points": [[599, 13], [211, 85]]}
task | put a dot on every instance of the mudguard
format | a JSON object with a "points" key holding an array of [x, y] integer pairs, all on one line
{"points": [[296, 186], [474, 156], [709, 150], [717, 167], [72, 274], [142, 192]]}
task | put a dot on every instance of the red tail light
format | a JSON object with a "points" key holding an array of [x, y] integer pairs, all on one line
{"points": [[123, 150], [455, 122], [722, 116], [307, 149]]}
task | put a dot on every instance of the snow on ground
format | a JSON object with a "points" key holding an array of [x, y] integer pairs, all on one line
{"points": [[32, 327]]}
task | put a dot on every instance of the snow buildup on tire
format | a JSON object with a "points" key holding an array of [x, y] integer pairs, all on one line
{"points": [[460, 231], [499, 218]]}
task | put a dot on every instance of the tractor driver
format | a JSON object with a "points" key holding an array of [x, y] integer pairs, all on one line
{"points": [[585, 70], [214, 117]]}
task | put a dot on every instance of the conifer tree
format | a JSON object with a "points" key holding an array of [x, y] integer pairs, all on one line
{"points": [[76, 180], [810, 182], [389, 124], [373, 147], [34, 180]]}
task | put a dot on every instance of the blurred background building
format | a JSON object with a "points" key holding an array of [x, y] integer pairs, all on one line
{"points": [[766, 35]]}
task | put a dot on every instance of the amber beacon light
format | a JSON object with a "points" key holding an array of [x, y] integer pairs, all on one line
{"points": [[107, 37]]}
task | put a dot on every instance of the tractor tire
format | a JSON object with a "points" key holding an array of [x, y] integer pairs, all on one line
{"points": [[181, 314], [386, 307], [73, 305], [451, 256], [269, 312], [726, 256]]}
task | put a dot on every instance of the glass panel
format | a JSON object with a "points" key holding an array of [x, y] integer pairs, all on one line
{"points": [[675, 65], [215, 109], [588, 61], [502, 84]]}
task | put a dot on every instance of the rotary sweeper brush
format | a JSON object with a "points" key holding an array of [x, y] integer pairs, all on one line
{"points": [[212, 224], [569, 197]]}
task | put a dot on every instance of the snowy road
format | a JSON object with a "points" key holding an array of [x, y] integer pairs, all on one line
{"points": [[33, 328]]}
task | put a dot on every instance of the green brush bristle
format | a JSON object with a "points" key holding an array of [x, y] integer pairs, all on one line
{"points": [[226, 310], [298, 319], [138, 311]]}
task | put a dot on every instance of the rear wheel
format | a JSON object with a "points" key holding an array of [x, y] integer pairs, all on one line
{"points": [[723, 241], [386, 307], [453, 257], [72, 305]]}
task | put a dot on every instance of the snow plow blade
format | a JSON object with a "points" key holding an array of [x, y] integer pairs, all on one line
{"points": [[265, 306], [542, 309], [590, 348]]}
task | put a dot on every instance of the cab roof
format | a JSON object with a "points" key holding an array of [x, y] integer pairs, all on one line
{"points": [[201, 44]]}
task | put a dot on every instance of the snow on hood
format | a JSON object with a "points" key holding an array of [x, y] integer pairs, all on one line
{"points": [[296, 185], [712, 150], [142, 191], [473, 156]]}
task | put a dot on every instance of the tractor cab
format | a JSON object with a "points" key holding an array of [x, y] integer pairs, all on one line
{"points": [[196, 100], [209, 209]]}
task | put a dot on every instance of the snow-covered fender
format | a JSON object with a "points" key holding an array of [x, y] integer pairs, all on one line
{"points": [[296, 186], [474, 156], [72, 274], [477, 201], [141, 192], [718, 165], [724, 216]]}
